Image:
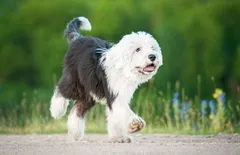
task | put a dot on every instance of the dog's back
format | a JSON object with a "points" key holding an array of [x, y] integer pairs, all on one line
{"points": [[82, 69]]}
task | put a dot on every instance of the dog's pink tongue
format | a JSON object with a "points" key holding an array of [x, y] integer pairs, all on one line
{"points": [[149, 68]]}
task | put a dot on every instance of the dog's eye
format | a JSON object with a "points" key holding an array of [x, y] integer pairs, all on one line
{"points": [[138, 49], [153, 48]]}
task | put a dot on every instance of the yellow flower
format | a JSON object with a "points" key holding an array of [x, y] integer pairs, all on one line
{"points": [[217, 93]]}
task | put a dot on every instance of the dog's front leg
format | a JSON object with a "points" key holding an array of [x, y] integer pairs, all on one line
{"points": [[121, 121], [118, 121]]}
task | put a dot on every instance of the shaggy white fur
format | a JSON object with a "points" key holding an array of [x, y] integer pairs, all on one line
{"points": [[59, 105], [85, 25], [122, 63]]}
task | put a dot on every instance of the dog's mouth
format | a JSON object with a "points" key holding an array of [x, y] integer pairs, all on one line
{"points": [[147, 69]]}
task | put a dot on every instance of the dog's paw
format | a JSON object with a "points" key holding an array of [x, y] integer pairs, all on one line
{"points": [[121, 139], [136, 125], [74, 134]]}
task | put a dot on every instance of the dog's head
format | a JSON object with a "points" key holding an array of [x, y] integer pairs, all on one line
{"points": [[137, 57], [141, 55]]}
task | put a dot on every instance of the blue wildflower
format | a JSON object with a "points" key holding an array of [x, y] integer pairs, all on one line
{"points": [[176, 105], [212, 106], [203, 110], [185, 109], [222, 99], [175, 100], [175, 97]]}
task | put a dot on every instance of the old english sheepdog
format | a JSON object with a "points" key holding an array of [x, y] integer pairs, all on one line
{"points": [[96, 71]]}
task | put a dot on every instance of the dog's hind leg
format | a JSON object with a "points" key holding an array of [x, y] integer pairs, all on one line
{"points": [[76, 118], [59, 104], [65, 90]]}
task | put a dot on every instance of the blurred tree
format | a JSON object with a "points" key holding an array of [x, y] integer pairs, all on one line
{"points": [[197, 37]]}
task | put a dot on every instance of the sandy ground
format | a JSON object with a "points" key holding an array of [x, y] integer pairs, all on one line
{"points": [[94, 144]]}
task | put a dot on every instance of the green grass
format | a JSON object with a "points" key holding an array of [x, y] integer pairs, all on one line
{"points": [[59, 127], [32, 115]]}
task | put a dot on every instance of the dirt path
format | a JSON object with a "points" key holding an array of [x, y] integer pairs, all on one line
{"points": [[94, 144]]}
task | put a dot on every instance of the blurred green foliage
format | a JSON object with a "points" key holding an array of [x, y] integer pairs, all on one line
{"points": [[197, 37]]}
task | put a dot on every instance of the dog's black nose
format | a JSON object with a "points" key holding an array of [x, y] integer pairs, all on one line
{"points": [[152, 57]]}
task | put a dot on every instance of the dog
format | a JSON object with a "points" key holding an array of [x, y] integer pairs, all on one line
{"points": [[98, 71]]}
